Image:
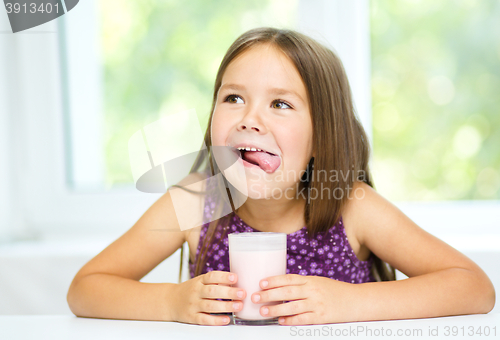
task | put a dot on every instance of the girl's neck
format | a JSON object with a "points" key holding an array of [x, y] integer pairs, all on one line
{"points": [[284, 216]]}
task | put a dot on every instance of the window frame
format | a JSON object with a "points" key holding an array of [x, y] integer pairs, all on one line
{"points": [[40, 204]]}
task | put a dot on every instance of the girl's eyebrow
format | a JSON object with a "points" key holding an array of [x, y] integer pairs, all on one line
{"points": [[233, 87], [280, 91], [275, 90]]}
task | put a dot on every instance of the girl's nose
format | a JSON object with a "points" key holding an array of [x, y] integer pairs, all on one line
{"points": [[244, 127], [251, 122]]}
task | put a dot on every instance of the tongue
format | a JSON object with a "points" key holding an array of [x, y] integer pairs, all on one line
{"points": [[267, 162]]}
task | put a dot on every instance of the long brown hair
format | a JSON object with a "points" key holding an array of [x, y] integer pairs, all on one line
{"points": [[335, 125]]}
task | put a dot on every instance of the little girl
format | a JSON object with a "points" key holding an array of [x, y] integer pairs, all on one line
{"points": [[284, 101]]}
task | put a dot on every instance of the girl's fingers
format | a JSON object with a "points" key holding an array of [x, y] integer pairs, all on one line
{"points": [[285, 309], [219, 277], [285, 293], [211, 320], [299, 319], [215, 306], [222, 292], [283, 280]]}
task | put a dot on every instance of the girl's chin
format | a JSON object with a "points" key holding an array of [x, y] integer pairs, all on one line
{"points": [[264, 190]]}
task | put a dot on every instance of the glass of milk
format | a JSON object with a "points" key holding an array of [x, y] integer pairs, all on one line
{"points": [[252, 257]]}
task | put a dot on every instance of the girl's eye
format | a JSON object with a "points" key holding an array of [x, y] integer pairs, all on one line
{"points": [[232, 98], [279, 104]]}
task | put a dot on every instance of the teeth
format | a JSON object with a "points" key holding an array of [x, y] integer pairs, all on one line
{"points": [[248, 148]]}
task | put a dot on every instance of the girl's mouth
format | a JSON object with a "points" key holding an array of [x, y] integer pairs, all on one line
{"points": [[267, 161]]}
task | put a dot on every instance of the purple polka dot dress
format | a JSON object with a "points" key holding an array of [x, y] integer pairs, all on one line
{"points": [[328, 254]]}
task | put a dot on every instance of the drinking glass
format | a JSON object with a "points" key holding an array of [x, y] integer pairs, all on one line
{"points": [[254, 256]]}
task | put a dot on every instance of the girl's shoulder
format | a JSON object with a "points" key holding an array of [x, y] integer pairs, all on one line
{"points": [[370, 217], [198, 182], [188, 201], [354, 213]]}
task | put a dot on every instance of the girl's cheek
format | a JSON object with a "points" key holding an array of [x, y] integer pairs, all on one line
{"points": [[220, 130], [216, 132]]}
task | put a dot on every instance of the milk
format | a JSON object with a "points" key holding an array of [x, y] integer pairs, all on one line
{"points": [[253, 258], [251, 267]]}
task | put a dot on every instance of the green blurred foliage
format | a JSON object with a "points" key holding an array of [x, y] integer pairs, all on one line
{"points": [[161, 57], [436, 98]]}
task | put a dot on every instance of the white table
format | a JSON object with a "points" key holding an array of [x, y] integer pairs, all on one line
{"points": [[56, 327]]}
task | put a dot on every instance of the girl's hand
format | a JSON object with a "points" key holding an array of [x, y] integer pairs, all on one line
{"points": [[195, 299], [312, 299]]}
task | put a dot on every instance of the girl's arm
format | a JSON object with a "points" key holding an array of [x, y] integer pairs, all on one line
{"points": [[108, 285], [442, 281]]}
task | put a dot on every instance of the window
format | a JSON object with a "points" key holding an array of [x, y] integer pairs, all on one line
{"points": [[88, 96], [436, 127], [435, 86]]}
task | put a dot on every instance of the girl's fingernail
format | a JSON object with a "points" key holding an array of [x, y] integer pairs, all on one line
{"points": [[231, 277], [282, 320], [265, 311], [226, 320], [240, 294], [264, 284], [236, 306], [256, 298]]}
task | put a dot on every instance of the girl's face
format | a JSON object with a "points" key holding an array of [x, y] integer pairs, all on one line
{"points": [[263, 102]]}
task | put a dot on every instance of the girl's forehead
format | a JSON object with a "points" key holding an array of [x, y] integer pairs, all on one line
{"points": [[264, 55], [264, 63]]}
